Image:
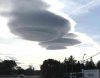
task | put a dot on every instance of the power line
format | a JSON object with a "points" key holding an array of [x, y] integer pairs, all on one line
{"points": [[93, 55]]}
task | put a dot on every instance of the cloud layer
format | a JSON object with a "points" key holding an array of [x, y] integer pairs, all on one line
{"points": [[39, 26], [31, 21], [61, 42]]}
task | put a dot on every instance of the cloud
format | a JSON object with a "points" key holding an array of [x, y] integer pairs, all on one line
{"points": [[55, 47], [73, 7], [6, 6], [60, 43], [25, 5], [86, 7], [39, 25], [31, 20], [70, 35], [13, 58], [3, 56]]}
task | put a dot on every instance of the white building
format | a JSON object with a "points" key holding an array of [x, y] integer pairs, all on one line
{"points": [[94, 73]]}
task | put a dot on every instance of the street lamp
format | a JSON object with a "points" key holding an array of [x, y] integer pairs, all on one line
{"points": [[83, 64], [83, 57]]}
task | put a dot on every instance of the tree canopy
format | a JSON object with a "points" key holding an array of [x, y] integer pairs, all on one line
{"points": [[50, 68], [55, 69]]}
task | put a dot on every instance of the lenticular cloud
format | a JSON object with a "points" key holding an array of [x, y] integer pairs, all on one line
{"points": [[61, 42], [35, 23], [39, 26]]}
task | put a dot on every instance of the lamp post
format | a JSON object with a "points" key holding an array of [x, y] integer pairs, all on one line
{"points": [[83, 58], [83, 64]]}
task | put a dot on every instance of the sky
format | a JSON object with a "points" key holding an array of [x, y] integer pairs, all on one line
{"points": [[30, 33]]}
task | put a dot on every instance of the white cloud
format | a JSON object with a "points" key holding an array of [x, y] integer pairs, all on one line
{"points": [[4, 30], [73, 7], [84, 8]]}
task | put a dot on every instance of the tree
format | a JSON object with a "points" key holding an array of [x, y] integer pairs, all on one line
{"points": [[52, 69], [98, 65], [9, 64], [67, 65], [70, 64], [90, 64], [78, 67], [29, 70], [7, 67], [19, 70]]}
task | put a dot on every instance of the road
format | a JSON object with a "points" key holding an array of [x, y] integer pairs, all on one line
{"points": [[24, 77]]}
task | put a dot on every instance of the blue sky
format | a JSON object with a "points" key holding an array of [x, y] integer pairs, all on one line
{"points": [[84, 13], [89, 23]]}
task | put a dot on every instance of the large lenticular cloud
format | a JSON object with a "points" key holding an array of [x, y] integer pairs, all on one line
{"points": [[39, 26], [33, 22]]}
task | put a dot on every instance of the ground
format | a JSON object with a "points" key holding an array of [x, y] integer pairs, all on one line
{"points": [[24, 77]]}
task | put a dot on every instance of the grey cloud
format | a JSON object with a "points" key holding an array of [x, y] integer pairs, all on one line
{"points": [[5, 54], [63, 42], [39, 25], [31, 21], [21, 6], [28, 5], [13, 58], [5, 5], [55, 47], [36, 3], [70, 35]]}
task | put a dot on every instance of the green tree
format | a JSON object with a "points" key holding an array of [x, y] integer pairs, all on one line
{"points": [[98, 65], [78, 67], [29, 70], [52, 69], [7, 67], [90, 64], [20, 70], [71, 62], [72, 65], [71, 59]]}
